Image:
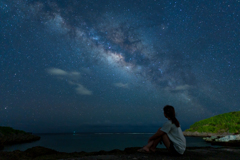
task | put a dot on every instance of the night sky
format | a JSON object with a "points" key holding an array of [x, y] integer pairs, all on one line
{"points": [[82, 65]]}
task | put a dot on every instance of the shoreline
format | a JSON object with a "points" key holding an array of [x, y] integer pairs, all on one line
{"points": [[206, 134], [19, 138], [195, 153]]}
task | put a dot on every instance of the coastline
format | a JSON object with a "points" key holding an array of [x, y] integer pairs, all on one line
{"points": [[195, 153], [206, 134], [18, 138], [95, 142], [127, 153]]}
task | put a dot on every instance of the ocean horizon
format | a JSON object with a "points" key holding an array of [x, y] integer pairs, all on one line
{"points": [[92, 142]]}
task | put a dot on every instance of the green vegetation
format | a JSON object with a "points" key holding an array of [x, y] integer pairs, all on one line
{"points": [[227, 122], [9, 130]]}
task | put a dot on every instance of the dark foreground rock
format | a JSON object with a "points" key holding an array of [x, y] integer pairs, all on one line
{"points": [[1, 146], [37, 153], [17, 138]]}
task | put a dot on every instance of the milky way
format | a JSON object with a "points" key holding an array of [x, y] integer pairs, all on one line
{"points": [[74, 63]]}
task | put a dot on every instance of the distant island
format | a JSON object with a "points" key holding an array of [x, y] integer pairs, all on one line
{"points": [[220, 125], [10, 136]]}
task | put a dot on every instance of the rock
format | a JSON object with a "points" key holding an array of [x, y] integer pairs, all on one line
{"points": [[131, 150], [1, 134], [186, 133], [196, 134], [1, 146], [205, 134], [18, 138], [210, 139], [228, 138], [115, 151], [38, 151], [160, 154]]}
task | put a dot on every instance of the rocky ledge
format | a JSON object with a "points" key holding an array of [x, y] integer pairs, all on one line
{"points": [[206, 134], [16, 138], [129, 153], [229, 140]]}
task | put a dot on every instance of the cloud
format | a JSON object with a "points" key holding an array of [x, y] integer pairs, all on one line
{"points": [[60, 72], [72, 76], [57, 72], [75, 73], [81, 89], [121, 85]]}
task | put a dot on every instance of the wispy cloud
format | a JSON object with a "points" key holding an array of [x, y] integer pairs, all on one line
{"points": [[57, 72], [121, 85], [71, 76], [60, 72], [81, 89]]}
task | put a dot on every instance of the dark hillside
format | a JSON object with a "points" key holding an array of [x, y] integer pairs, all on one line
{"points": [[9, 136]]}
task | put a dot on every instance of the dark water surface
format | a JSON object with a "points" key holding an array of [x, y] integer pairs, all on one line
{"points": [[96, 142]]}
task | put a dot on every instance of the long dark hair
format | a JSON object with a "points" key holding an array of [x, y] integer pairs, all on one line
{"points": [[170, 112]]}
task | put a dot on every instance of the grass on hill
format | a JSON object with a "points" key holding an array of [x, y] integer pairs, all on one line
{"points": [[9, 130], [227, 122]]}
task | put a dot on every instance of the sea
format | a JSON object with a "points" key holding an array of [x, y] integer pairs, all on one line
{"points": [[91, 142]]}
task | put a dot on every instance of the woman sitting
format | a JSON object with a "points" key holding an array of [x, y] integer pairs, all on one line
{"points": [[170, 134]]}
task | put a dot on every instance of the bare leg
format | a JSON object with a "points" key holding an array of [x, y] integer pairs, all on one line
{"points": [[166, 141], [155, 143], [147, 147], [152, 145]]}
